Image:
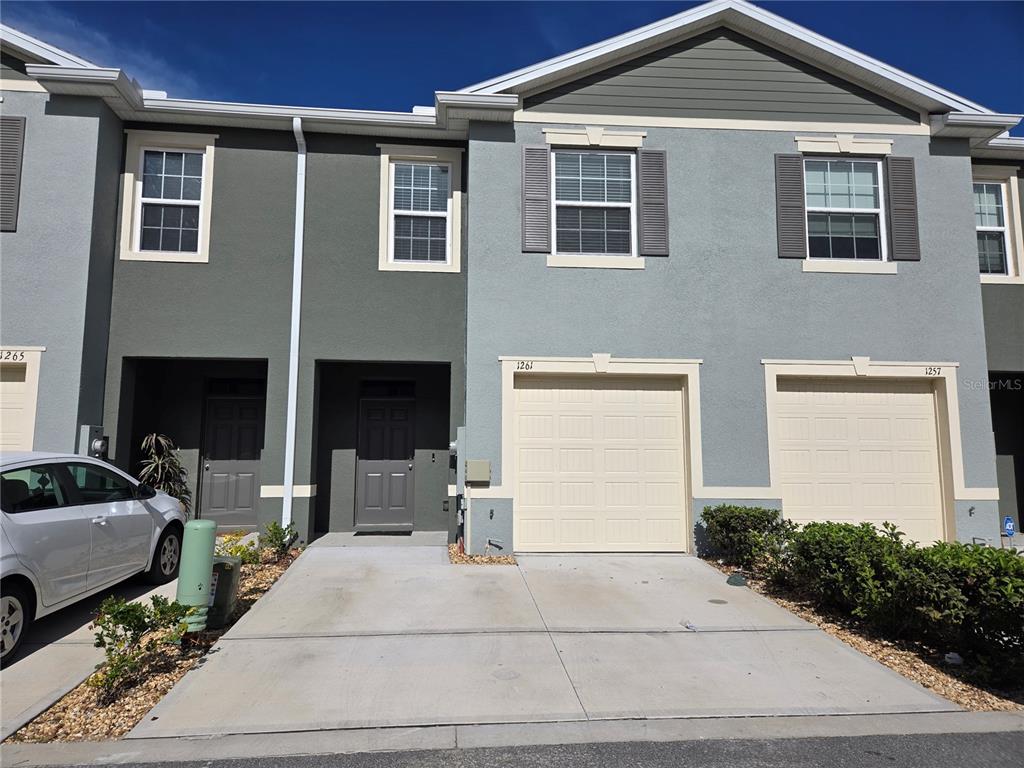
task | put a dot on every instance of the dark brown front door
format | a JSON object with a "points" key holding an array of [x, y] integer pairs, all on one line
{"points": [[231, 460], [384, 464]]}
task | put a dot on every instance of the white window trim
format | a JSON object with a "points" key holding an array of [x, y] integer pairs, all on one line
{"points": [[1006, 176], [594, 136], [844, 143], [450, 156], [557, 259], [867, 266], [131, 193]]}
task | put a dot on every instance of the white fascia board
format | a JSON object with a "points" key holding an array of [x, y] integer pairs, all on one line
{"points": [[746, 18], [38, 49], [108, 82], [235, 109]]}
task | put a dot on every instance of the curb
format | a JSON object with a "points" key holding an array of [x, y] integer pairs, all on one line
{"points": [[448, 737]]}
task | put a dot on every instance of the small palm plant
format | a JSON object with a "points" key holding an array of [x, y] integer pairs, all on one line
{"points": [[161, 469]]}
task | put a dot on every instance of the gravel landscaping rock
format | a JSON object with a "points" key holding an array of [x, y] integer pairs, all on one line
{"points": [[459, 557]]}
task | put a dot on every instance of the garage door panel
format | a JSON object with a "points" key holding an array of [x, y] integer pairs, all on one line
{"points": [[610, 475], [870, 454]]}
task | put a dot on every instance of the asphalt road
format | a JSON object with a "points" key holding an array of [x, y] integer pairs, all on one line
{"points": [[988, 750]]}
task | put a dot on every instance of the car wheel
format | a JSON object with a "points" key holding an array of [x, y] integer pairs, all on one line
{"points": [[15, 619], [166, 557]]}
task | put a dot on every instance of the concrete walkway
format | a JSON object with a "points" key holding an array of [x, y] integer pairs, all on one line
{"points": [[390, 636], [57, 655]]}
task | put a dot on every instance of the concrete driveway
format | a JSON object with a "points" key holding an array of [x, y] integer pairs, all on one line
{"points": [[372, 636], [58, 654]]}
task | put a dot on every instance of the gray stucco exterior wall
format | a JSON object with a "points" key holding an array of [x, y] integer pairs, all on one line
{"points": [[1004, 315], [238, 306], [724, 296], [55, 278]]}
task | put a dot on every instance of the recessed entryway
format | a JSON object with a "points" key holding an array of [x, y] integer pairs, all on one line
{"points": [[381, 446], [599, 463]]}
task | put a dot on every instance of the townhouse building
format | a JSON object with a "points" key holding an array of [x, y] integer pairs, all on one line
{"points": [[716, 259]]}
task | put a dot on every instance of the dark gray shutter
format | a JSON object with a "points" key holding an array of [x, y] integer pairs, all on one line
{"points": [[536, 199], [652, 182], [12, 142], [789, 206], [901, 191]]}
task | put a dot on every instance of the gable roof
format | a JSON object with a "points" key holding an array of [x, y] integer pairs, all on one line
{"points": [[749, 20], [36, 51]]}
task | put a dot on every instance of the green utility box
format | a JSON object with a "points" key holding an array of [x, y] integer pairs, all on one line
{"points": [[195, 569], [227, 573]]}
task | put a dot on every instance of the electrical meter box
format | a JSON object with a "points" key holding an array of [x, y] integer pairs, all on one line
{"points": [[227, 574], [478, 471]]}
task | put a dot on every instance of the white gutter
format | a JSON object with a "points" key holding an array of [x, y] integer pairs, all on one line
{"points": [[293, 343]]}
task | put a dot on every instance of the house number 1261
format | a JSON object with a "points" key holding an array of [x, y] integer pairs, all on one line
{"points": [[524, 365]]}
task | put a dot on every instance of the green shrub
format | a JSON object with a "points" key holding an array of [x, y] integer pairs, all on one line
{"points": [[751, 537], [973, 598], [856, 569], [130, 634], [231, 545], [278, 538]]}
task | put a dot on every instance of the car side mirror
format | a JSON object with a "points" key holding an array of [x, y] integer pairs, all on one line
{"points": [[146, 491]]}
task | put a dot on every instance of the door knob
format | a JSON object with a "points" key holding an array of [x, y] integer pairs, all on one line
{"points": [[99, 521], [410, 465], [206, 467]]}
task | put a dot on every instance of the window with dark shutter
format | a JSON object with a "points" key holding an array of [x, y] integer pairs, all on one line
{"points": [[536, 200], [789, 206], [12, 143], [653, 196], [901, 186]]}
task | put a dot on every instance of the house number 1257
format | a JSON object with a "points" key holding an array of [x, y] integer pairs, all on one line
{"points": [[931, 371]]}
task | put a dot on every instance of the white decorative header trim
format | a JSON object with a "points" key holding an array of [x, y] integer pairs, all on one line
{"points": [[843, 143], [594, 136]]}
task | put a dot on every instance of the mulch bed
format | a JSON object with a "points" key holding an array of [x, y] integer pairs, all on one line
{"points": [[80, 716], [458, 557], [923, 665]]}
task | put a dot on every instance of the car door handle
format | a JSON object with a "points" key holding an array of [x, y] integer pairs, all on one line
{"points": [[99, 521]]}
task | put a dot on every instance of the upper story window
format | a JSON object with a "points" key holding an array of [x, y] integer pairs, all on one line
{"points": [[594, 203], [844, 209], [172, 186], [990, 224], [168, 185], [997, 223], [420, 209]]}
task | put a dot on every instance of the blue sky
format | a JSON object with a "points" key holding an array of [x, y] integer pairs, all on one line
{"points": [[394, 55]]}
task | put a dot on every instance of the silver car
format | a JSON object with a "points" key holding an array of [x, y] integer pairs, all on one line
{"points": [[72, 526]]}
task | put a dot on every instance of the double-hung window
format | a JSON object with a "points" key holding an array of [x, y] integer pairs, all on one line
{"points": [[845, 216], [990, 224], [168, 190], [421, 212], [420, 208], [172, 191], [594, 203]]}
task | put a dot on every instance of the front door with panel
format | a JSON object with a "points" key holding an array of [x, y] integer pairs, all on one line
{"points": [[384, 464], [231, 460]]}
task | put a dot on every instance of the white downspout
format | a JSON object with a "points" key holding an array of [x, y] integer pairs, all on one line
{"points": [[293, 344]]}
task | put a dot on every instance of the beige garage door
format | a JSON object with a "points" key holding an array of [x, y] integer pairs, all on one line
{"points": [[599, 464], [856, 451], [16, 414]]}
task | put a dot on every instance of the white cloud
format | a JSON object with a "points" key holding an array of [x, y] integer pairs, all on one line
{"points": [[56, 27]]}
